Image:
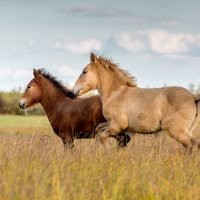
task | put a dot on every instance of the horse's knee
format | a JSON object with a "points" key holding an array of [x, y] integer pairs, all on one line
{"points": [[110, 130], [101, 127], [68, 142]]}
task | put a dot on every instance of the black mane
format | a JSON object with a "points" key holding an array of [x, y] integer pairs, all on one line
{"points": [[58, 84]]}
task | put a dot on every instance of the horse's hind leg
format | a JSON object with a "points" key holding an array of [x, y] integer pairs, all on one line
{"points": [[183, 136], [194, 124], [196, 119]]}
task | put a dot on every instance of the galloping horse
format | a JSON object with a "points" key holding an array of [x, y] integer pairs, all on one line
{"points": [[130, 108], [70, 117]]}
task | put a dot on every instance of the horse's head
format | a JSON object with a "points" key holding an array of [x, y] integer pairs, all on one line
{"points": [[32, 93], [88, 78]]}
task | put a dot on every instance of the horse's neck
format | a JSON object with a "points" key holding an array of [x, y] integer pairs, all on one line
{"points": [[107, 85], [52, 101]]}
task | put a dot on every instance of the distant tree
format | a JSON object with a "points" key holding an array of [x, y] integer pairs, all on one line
{"points": [[2, 103]]}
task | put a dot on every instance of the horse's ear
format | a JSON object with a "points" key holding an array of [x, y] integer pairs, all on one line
{"points": [[93, 57], [35, 73]]}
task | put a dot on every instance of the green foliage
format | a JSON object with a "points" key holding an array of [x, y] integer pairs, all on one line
{"points": [[9, 104]]}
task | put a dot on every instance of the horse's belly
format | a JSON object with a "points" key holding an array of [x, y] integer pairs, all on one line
{"points": [[145, 123]]}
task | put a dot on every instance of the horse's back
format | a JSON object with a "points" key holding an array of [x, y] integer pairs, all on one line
{"points": [[171, 95]]}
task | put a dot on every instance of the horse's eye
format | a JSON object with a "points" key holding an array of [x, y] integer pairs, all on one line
{"points": [[29, 87], [84, 72]]}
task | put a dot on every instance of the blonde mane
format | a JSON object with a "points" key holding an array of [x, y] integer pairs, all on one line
{"points": [[124, 76]]}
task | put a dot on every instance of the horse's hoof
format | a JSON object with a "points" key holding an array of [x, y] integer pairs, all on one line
{"points": [[123, 143], [127, 139]]}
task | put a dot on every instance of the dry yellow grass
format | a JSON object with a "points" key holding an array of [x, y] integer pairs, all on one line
{"points": [[35, 166]]}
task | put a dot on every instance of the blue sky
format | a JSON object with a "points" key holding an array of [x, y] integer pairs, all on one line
{"points": [[157, 41]]}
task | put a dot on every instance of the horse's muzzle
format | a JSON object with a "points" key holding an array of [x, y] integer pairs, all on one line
{"points": [[77, 90], [22, 104]]}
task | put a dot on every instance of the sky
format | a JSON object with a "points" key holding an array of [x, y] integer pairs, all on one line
{"points": [[157, 41]]}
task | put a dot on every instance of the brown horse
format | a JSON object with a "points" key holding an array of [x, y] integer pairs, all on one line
{"points": [[130, 108], [70, 117]]}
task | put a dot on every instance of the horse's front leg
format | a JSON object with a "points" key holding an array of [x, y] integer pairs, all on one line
{"points": [[101, 127], [68, 144], [68, 141], [109, 130]]}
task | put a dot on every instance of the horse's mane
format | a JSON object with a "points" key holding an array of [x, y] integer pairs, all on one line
{"points": [[58, 84], [121, 74]]}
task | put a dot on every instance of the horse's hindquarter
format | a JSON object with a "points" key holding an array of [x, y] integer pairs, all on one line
{"points": [[180, 106], [150, 109]]}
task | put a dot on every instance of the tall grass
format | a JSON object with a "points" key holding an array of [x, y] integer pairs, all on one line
{"points": [[37, 167]]}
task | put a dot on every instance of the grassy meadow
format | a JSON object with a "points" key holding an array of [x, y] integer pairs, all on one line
{"points": [[34, 165]]}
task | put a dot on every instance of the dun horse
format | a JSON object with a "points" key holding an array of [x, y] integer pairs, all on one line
{"points": [[130, 108], [70, 117]]}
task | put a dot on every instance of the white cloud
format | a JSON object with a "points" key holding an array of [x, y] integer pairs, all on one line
{"points": [[167, 43], [65, 70], [82, 47], [158, 41], [129, 42]]}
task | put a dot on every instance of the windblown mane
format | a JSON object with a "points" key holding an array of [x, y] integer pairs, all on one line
{"points": [[121, 74], [56, 83]]}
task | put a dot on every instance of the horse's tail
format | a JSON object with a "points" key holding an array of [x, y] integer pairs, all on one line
{"points": [[197, 117]]}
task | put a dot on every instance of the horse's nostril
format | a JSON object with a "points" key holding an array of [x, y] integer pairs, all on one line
{"points": [[22, 103]]}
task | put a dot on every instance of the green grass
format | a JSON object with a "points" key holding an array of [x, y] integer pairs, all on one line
{"points": [[13, 124], [34, 165]]}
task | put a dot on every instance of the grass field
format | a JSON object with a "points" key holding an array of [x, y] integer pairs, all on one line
{"points": [[34, 165]]}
